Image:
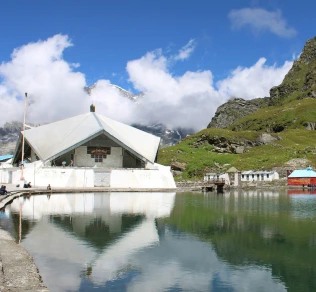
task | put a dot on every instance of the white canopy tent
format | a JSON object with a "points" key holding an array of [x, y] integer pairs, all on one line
{"points": [[52, 140]]}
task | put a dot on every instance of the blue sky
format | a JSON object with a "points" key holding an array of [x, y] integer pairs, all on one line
{"points": [[106, 35]]}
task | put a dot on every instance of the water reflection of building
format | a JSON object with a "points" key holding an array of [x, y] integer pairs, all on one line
{"points": [[107, 208], [147, 254], [90, 232], [249, 200]]}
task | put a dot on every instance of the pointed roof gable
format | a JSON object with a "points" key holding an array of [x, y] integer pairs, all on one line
{"points": [[135, 139], [52, 140]]}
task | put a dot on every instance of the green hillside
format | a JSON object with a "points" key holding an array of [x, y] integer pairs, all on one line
{"points": [[199, 155], [292, 115]]}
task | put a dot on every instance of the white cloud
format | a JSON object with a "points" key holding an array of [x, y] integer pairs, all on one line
{"points": [[55, 89], [188, 100], [254, 81], [191, 100], [186, 51], [110, 103], [39, 69], [259, 19]]}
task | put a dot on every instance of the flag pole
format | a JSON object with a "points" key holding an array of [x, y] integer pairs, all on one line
{"points": [[22, 162]]}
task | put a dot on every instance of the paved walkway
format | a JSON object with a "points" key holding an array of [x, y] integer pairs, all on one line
{"points": [[18, 272]]}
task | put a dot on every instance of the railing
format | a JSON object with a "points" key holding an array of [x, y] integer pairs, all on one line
{"points": [[215, 181]]}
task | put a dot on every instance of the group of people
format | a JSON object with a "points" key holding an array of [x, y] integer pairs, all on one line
{"points": [[3, 190], [27, 185]]}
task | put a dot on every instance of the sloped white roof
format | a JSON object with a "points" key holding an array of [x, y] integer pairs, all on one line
{"points": [[52, 140]]}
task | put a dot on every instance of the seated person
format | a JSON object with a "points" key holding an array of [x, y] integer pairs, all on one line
{"points": [[3, 190]]}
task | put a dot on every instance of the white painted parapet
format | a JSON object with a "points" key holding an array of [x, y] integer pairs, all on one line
{"points": [[160, 178]]}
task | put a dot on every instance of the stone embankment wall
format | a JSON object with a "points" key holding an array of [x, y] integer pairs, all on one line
{"points": [[198, 185], [18, 271]]}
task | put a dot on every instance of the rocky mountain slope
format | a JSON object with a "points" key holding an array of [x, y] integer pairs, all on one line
{"points": [[9, 135], [300, 81], [235, 109], [290, 105], [264, 133], [168, 137]]}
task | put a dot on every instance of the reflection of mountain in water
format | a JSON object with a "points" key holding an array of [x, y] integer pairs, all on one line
{"points": [[256, 228]]}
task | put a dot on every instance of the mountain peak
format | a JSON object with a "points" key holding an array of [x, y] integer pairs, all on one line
{"points": [[300, 81], [123, 92]]}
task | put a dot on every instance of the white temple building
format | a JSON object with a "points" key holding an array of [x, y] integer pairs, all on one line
{"points": [[89, 150]]}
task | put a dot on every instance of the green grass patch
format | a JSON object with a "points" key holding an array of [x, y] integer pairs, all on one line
{"points": [[293, 115], [201, 159]]}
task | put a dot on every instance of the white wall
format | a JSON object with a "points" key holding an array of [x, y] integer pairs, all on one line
{"points": [[113, 160], [72, 177], [272, 176], [65, 177], [40, 176], [4, 176], [236, 179], [143, 178]]}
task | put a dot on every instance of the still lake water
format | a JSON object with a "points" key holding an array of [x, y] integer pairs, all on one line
{"points": [[236, 241]]}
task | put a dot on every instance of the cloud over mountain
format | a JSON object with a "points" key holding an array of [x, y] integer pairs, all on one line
{"points": [[55, 87]]}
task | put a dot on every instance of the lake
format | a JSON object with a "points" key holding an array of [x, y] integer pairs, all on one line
{"points": [[235, 241]]}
